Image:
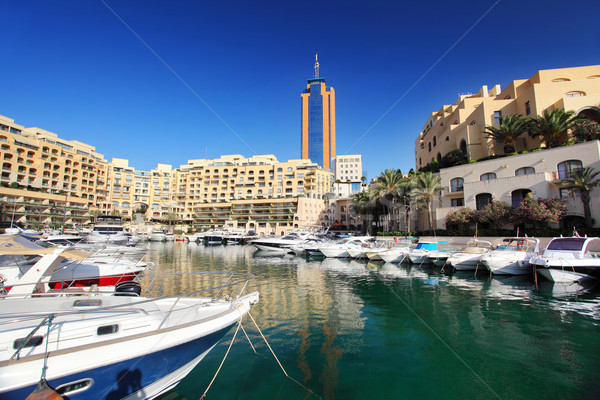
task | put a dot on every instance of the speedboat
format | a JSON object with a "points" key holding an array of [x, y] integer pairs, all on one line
{"points": [[157, 235], [512, 258], [76, 268], [108, 229], [418, 255], [340, 248], [216, 237], [467, 259], [107, 345], [440, 257], [398, 253], [281, 244], [569, 259]]}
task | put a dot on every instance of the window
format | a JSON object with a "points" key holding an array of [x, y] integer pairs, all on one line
{"points": [[519, 195], [429, 146], [525, 171], [527, 108], [574, 94], [488, 176], [463, 147], [456, 185], [569, 193], [497, 116], [434, 141], [457, 202], [566, 168], [482, 200]]}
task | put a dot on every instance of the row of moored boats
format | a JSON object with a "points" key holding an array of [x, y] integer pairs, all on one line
{"points": [[565, 259]]}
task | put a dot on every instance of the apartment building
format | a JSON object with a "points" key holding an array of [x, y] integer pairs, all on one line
{"points": [[539, 174], [461, 125], [348, 174]]}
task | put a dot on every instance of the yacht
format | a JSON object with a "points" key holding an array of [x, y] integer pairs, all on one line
{"points": [[512, 257], [157, 235], [569, 259], [340, 248], [418, 255], [108, 229], [281, 244]]}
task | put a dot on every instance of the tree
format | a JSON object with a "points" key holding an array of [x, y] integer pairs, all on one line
{"points": [[338, 188], [584, 180], [586, 130], [405, 197], [460, 219], [496, 213], [452, 158], [536, 213], [362, 205], [385, 191], [552, 125], [427, 189], [508, 131]]}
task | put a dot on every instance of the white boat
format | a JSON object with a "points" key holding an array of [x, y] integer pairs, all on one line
{"points": [[281, 244], [108, 229], [76, 269], [398, 253], [569, 259], [467, 259], [418, 255], [157, 235], [440, 257], [340, 248], [216, 237], [196, 237], [169, 237], [104, 346], [61, 239], [512, 257]]}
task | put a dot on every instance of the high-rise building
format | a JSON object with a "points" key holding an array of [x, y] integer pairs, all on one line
{"points": [[318, 121]]}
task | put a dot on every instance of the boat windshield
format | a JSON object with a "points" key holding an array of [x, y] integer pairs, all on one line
{"points": [[570, 244]]}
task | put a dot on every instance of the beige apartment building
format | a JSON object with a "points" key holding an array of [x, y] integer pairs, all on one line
{"points": [[47, 180], [461, 125], [510, 179]]}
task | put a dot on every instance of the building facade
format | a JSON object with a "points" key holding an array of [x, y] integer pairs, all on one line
{"points": [[511, 179], [348, 174], [461, 125], [318, 121]]}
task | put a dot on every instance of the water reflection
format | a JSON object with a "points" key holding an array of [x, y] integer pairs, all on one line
{"points": [[347, 328]]}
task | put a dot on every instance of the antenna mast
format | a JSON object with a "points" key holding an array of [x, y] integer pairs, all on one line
{"points": [[316, 65]]}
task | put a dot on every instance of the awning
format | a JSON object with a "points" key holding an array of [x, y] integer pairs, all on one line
{"points": [[28, 143]]}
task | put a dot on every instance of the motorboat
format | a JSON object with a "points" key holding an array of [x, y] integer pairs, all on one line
{"points": [[398, 253], [234, 237], [107, 345], [467, 259], [309, 247], [108, 229], [569, 259], [281, 244], [418, 255], [215, 237], [157, 235], [440, 257], [512, 257], [340, 248], [61, 239], [196, 237], [76, 269]]}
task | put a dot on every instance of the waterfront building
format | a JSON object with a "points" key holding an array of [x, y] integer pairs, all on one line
{"points": [[348, 174], [461, 125], [318, 121], [511, 179]]}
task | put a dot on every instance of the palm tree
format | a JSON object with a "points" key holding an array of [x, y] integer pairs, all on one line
{"points": [[427, 189], [551, 125], [405, 197], [584, 180], [338, 188], [362, 206], [511, 127], [386, 190]]}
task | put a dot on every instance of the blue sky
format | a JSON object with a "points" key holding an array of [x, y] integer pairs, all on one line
{"points": [[80, 70]]}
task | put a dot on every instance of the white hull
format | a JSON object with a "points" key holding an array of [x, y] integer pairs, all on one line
{"points": [[561, 276]]}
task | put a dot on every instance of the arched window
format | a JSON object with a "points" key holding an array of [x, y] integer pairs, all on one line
{"points": [[519, 195], [566, 168], [482, 200], [463, 147], [456, 185], [434, 141], [488, 176], [447, 138], [560, 80], [125, 204], [438, 158], [429, 145], [279, 169], [525, 171]]}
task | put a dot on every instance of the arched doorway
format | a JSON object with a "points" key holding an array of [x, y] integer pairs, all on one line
{"points": [[591, 113]]}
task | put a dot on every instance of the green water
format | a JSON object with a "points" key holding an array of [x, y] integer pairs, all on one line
{"points": [[352, 330]]}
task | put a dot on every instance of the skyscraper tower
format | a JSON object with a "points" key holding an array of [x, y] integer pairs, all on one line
{"points": [[318, 121]]}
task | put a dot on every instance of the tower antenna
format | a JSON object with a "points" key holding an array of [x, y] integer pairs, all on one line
{"points": [[316, 65]]}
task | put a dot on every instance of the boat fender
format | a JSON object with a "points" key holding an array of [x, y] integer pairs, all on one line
{"points": [[129, 288], [44, 392]]}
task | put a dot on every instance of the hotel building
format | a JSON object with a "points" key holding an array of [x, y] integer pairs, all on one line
{"points": [[347, 169], [461, 125], [318, 121], [510, 179]]}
